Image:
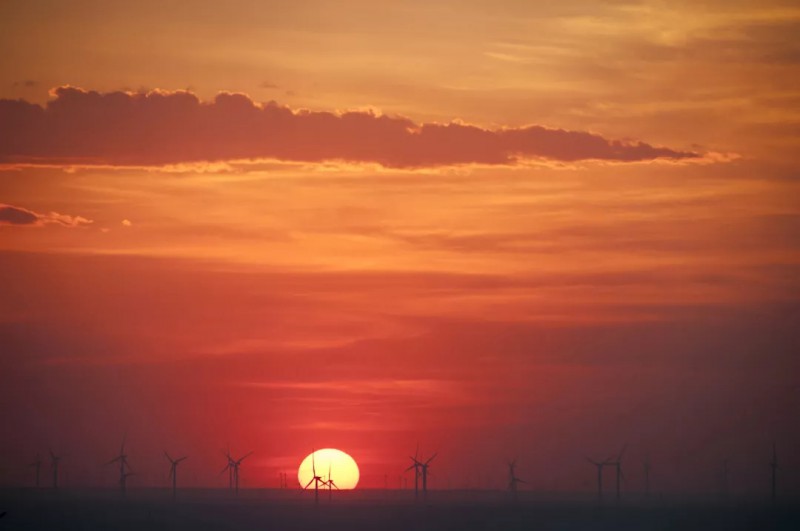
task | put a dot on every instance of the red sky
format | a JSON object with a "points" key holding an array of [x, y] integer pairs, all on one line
{"points": [[498, 229]]}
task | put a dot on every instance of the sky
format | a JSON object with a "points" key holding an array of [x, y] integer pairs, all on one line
{"points": [[496, 230]]}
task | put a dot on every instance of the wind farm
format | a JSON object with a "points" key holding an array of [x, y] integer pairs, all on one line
{"points": [[412, 265], [514, 502]]}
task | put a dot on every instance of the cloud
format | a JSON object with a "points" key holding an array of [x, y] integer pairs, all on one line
{"points": [[12, 215], [159, 128], [17, 216]]}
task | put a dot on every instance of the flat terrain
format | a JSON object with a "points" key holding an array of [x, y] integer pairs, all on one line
{"points": [[153, 509]]}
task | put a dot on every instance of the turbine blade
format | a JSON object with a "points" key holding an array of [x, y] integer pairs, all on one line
{"points": [[309, 483], [431, 458], [168, 457], [245, 456], [313, 463]]}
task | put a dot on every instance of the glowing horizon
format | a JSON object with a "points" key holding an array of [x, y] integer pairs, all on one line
{"points": [[528, 229]]}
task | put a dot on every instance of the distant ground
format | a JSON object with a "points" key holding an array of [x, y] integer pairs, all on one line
{"points": [[153, 509]]}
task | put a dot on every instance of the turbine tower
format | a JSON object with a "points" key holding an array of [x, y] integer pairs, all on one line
{"points": [[38, 465], [425, 474], [173, 473], [124, 467], [54, 461], [330, 483], [316, 480], [773, 464], [513, 480]]}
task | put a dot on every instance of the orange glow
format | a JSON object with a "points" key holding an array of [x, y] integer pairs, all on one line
{"points": [[528, 229]]}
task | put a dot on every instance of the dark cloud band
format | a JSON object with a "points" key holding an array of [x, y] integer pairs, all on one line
{"points": [[120, 128]]}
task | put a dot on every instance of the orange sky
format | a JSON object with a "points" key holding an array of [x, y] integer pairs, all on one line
{"points": [[497, 228]]}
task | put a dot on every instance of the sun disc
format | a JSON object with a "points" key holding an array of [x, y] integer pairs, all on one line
{"points": [[341, 467]]}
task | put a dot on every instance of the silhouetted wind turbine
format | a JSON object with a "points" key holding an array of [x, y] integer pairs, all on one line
{"points": [[774, 466], [330, 483], [234, 465], [423, 467], [38, 465], [173, 473], [54, 461], [618, 467], [599, 465], [416, 466], [316, 480], [122, 459], [513, 480]]}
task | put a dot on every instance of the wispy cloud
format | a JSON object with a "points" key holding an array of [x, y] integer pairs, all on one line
{"points": [[397, 387], [14, 215]]}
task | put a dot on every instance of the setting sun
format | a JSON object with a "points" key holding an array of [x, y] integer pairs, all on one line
{"points": [[329, 463]]}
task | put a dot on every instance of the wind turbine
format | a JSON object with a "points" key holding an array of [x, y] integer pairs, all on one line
{"points": [[774, 466], [421, 470], [38, 465], [54, 461], [513, 480], [416, 466], [618, 467], [173, 473], [124, 467], [233, 466], [330, 483], [599, 465], [316, 480]]}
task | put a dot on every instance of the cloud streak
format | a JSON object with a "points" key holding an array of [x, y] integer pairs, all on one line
{"points": [[159, 128], [13, 215]]}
